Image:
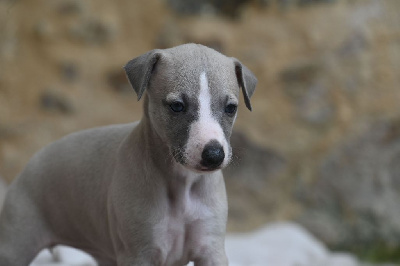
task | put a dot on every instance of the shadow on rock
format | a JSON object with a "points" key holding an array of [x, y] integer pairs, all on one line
{"points": [[252, 164]]}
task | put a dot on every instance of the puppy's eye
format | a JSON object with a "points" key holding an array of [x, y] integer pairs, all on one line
{"points": [[230, 109], [177, 107]]}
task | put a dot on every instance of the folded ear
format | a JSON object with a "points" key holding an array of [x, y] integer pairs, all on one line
{"points": [[139, 70], [247, 81]]}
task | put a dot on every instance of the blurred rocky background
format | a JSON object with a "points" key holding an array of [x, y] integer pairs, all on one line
{"points": [[322, 145]]}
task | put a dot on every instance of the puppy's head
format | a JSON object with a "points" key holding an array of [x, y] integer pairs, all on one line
{"points": [[193, 94]]}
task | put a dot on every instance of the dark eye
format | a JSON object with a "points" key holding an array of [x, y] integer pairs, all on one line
{"points": [[177, 107], [230, 109]]}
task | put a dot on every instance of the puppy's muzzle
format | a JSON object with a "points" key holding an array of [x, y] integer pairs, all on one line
{"points": [[213, 155]]}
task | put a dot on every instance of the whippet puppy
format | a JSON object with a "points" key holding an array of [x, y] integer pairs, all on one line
{"points": [[146, 193]]}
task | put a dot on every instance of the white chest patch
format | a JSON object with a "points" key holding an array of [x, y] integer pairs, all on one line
{"points": [[183, 231], [204, 129]]}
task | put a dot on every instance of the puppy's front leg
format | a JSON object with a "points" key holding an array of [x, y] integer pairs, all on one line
{"points": [[212, 262], [143, 259], [213, 258]]}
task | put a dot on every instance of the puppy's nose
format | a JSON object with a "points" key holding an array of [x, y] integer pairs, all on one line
{"points": [[213, 155]]}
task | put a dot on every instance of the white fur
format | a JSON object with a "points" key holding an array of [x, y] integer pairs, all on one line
{"points": [[205, 129], [174, 236]]}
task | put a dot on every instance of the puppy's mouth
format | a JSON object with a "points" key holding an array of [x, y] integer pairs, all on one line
{"points": [[180, 159], [201, 169], [209, 170]]}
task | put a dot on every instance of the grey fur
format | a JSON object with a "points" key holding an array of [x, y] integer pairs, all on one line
{"points": [[125, 193], [247, 81], [139, 69]]}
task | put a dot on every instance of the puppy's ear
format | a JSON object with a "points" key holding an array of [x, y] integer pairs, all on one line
{"points": [[139, 70], [247, 81]]}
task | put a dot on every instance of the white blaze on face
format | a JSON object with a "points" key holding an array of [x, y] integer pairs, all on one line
{"points": [[205, 129]]}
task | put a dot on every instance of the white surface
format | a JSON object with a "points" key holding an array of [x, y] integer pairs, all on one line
{"points": [[63, 256], [279, 244], [276, 245]]}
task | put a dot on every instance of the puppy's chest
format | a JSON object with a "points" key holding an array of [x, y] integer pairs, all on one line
{"points": [[183, 230]]}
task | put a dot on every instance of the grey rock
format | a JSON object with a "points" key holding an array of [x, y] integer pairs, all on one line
{"points": [[326, 224], [316, 106], [53, 101], [211, 42], [358, 190], [284, 4], [92, 31], [170, 35], [69, 71], [306, 85], [311, 2], [69, 7], [7, 132], [250, 180], [3, 190], [353, 45], [118, 81], [221, 7], [299, 76], [257, 164], [43, 30]]}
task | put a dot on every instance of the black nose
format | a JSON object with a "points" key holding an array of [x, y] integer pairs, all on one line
{"points": [[213, 155]]}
